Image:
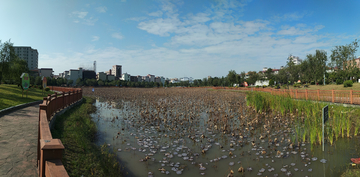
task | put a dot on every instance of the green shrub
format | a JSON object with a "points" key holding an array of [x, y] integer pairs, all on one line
{"points": [[257, 86], [312, 83], [40, 87], [297, 85], [339, 81], [348, 83], [47, 89], [271, 82]]}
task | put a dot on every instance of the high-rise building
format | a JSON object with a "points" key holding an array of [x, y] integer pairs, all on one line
{"points": [[116, 71], [28, 54]]}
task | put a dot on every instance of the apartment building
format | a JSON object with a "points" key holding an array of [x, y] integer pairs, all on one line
{"points": [[116, 71], [28, 54]]}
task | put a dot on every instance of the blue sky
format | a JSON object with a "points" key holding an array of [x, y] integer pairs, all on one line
{"points": [[177, 38]]}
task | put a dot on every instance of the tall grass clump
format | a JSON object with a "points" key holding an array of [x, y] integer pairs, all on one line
{"points": [[309, 116]]}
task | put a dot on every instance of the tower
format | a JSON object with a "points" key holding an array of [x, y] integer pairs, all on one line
{"points": [[95, 66]]}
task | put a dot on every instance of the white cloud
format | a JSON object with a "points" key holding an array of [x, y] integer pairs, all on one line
{"points": [[290, 16], [95, 38], [156, 14], [79, 14], [117, 36], [81, 17], [90, 21], [300, 30], [160, 26], [101, 9]]}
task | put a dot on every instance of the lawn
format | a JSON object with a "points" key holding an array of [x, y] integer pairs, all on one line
{"points": [[10, 95], [356, 86]]}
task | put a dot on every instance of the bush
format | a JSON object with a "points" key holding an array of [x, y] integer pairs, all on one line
{"points": [[339, 81], [257, 86], [312, 83], [264, 86], [348, 83], [271, 82], [297, 85], [47, 89], [40, 87]]}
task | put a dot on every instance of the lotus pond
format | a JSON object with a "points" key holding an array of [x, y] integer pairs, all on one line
{"points": [[197, 132]]}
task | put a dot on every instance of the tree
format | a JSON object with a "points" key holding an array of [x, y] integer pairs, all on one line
{"points": [[79, 82], [342, 59], [37, 80], [253, 77], [269, 74], [231, 77], [7, 55], [100, 83], [70, 82]]}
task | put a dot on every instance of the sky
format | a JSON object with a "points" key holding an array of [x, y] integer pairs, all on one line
{"points": [[177, 38]]}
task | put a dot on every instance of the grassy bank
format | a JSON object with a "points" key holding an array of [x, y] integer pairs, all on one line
{"points": [[356, 86], [82, 157], [11, 95], [307, 116]]}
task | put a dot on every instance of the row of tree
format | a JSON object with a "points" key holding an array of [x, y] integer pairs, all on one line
{"points": [[342, 66]]}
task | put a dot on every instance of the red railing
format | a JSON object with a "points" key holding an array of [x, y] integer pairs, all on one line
{"points": [[49, 151], [335, 96]]}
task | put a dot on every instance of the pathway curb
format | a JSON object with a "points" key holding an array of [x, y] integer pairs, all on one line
{"points": [[17, 107]]}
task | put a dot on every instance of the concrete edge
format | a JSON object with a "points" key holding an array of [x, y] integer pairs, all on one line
{"points": [[53, 118], [17, 107]]}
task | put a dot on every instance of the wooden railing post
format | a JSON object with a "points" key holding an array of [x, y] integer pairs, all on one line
{"points": [[306, 94], [318, 94], [50, 150], [296, 94], [63, 97], [351, 96], [333, 95]]}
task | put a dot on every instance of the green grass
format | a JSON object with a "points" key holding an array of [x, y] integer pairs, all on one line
{"points": [[11, 95], [82, 157]]}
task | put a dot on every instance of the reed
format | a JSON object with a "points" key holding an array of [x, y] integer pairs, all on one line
{"points": [[330, 135], [356, 128], [304, 134], [342, 124], [312, 137], [348, 126]]}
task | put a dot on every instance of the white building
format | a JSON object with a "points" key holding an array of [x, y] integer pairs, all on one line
{"points": [[47, 72], [28, 54], [262, 83], [295, 59], [125, 77]]}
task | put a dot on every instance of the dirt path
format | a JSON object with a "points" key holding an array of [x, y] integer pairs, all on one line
{"points": [[18, 142]]}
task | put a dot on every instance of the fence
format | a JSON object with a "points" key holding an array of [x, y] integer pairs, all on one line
{"points": [[49, 150], [335, 96]]}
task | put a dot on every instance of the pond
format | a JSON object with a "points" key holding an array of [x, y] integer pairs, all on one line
{"points": [[196, 132]]}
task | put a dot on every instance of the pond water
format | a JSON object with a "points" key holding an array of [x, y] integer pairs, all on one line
{"points": [[185, 135]]}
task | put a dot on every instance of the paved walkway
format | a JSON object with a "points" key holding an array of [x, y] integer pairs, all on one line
{"points": [[18, 142]]}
